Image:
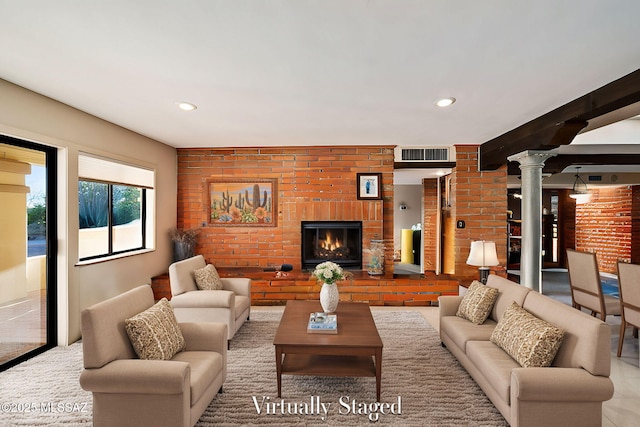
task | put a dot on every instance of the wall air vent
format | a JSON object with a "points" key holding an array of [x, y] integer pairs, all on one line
{"points": [[423, 154]]}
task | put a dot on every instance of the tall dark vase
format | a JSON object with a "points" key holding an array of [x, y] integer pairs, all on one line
{"points": [[182, 250]]}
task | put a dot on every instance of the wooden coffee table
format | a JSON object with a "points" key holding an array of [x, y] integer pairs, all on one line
{"points": [[355, 351]]}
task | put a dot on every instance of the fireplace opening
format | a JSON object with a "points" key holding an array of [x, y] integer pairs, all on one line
{"points": [[336, 241]]}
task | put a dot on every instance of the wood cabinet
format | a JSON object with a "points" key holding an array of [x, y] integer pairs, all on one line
{"points": [[514, 243], [549, 235]]}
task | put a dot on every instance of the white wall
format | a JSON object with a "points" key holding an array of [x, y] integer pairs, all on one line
{"points": [[27, 115]]}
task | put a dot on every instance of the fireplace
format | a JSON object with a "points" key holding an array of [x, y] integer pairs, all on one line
{"points": [[336, 241]]}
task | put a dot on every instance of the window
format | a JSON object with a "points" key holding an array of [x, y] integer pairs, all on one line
{"points": [[114, 202]]}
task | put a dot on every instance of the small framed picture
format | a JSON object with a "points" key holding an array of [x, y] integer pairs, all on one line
{"points": [[369, 186]]}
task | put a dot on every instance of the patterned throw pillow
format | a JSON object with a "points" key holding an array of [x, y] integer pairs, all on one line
{"points": [[477, 303], [532, 342], [155, 333], [207, 278]]}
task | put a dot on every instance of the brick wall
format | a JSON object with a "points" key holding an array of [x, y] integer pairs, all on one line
{"points": [[481, 202], [314, 183], [374, 290], [635, 224], [319, 183], [604, 226]]}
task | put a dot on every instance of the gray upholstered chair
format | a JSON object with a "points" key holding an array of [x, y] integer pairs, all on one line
{"points": [[629, 286], [586, 287], [231, 305], [128, 391]]}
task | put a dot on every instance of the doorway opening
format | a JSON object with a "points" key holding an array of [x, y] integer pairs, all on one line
{"points": [[408, 225]]}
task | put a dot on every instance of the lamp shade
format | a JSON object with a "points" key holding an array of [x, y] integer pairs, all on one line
{"points": [[581, 198], [579, 192], [483, 254]]}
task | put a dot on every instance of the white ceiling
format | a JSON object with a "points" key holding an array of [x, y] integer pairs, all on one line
{"points": [[323, 72]]}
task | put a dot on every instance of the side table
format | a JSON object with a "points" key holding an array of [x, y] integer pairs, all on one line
{"points": [[161, 286]]}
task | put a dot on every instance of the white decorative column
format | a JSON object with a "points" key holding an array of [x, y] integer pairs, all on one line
{"points": [[531, 164]]}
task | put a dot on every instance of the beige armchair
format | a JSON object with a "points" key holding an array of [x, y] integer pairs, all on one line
{"points": [[231, 305], [128, 391]]}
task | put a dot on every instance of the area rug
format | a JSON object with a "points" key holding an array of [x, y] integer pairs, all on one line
{"points": [[44, 391], [422, 385]]}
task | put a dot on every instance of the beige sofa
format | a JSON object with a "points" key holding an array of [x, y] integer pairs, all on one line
{"points": [[128, 391], [569, 392], [231, 306]]}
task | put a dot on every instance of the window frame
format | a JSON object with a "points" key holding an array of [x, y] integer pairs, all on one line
{"points": [[101, 170], [110, 225]]}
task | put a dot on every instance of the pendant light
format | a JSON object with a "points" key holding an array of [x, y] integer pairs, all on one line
{"points": [[579, 192]]}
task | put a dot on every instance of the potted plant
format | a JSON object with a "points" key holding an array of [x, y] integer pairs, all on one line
{"points": [[329, 273], [184, 243]]}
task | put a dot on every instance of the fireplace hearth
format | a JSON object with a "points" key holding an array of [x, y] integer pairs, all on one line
{"points": [[336, 241]]}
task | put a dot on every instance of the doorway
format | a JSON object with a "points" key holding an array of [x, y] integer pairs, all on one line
{"points": [[408, 237], [27, 251], [552, 238]]}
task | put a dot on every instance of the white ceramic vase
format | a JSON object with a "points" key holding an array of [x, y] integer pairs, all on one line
{"points": [[329, 297]]}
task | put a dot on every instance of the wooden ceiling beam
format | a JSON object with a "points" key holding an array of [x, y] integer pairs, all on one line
{"points": [[560, 126]]}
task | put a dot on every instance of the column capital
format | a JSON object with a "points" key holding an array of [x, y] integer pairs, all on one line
{"points": [[533, 157]]}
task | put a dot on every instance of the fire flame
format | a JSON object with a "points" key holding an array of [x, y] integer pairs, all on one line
{"points": [[330, 243]]}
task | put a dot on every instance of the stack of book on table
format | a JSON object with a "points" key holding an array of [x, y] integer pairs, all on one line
{"points": [[322, 323]]}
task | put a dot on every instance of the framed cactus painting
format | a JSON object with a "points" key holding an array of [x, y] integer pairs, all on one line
{"points": [[250, 202]]}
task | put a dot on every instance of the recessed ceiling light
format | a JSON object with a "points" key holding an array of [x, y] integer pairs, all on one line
{"points": [[186, 106], [445, 102]]}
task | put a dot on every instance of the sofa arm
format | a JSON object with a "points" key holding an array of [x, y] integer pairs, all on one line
{"points": [[205, 299], [205, 336], [559, 384], [449, 305], [238, 285], [138, 376]]}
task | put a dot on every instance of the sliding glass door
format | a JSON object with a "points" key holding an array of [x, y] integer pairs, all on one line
{"points": [[27, 255]]}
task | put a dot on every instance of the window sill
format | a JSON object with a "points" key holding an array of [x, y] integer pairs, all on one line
{"points": [[113, 257]]}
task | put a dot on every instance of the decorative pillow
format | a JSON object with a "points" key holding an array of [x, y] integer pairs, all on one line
{"points": [[207, 278], [532, 342], [477, 303], [155, 333]]}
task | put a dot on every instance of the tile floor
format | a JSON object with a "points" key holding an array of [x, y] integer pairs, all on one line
{"points": [[22, 326]]}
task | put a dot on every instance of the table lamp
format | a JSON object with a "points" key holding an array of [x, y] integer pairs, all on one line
{"points": [[483, 255]]}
